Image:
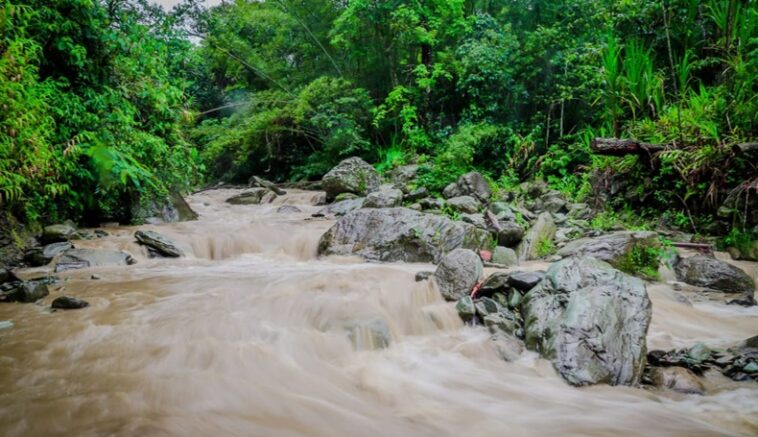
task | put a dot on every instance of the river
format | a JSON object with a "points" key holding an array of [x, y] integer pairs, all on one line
{"points": [[252, 334]]}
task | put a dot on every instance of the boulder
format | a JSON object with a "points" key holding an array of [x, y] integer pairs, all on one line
{"points": [[553, 202], [7, 276], [466, 309], [542, 230], [352, 175], [23, 291], [404, 174], [590, 320], [678, 379], [254, 196], [464, 204], [172, 208], [457, 273], [474, 219], [509, 233], [504, 256], [84, 258], [611, 248], [40, 256], [432, 203], [385, 197], [525, 281], [417, 194], [704, 271], [473, 184], [496, 282], [58, 233], [399, 234], [342, 207], [68, 303], [162, 244]]}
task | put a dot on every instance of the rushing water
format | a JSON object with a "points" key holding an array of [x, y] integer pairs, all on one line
{"points": [[253, 335]]}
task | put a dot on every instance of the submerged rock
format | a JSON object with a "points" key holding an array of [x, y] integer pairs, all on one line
{"points": [[253, 196], [352, 175], [256, 181], [457, 273], [543, 230], [69, 303], [704, 271], [288, 209], [679, 379], [84, 258], [160, 243], [399, 234], [590, 320]]}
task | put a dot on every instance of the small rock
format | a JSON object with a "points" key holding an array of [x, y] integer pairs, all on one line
{"points": [[69, 303], [678, 379], [510, 234], [256, 181], [502, 322], [423, 276], [254, 196], [457, 273], [485, 306], [504, 256], [58, 233], [496, 282], [7, 276], [525, 281], [24, 291], [6, 324], [699, 352], [83, 258], [385, 197], [95, 277]]}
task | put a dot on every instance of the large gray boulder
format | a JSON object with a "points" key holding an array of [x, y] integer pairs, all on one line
{"points": [[542, 230], [399, 234], [610, 248], [704, 271], [457, 273], [385, 197], [84, 258], [342, 207], [160, 243], [590, 320], [353, 175]]}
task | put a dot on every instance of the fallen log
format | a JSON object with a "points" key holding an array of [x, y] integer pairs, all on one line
{"points": [[700, 247], [621, 147]]}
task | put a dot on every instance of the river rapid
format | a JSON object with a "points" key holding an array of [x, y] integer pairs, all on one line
{"points": [[249, 335]]}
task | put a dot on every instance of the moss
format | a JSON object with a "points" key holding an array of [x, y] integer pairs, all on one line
{"points": [[641, 260]]}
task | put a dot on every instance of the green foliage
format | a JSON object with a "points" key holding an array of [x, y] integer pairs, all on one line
{"points": [[545, 247], [641, 260], [742, 240], [605, 221]]}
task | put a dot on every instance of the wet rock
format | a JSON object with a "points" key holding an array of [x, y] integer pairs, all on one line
{"points": [[399, 234], [40, 256], [508, 347], [611, 248], [170, 209], [69, 303], [486, 306], [474, 219], [58, 233], [5, 324], [466, 309], [288, 209], [496, 282], [384, 197], [457, 273], [256, 181], [502, 321], [342, 207], [417, 194], [253, 196], [352, 175], [678, 379], [704, 271], [525, 281], [590, 320], [84, 258], [162, 244], [510, 234], [542, 230], [504, 256], [369, 334], [7, 276], [23, 291], [423, 276], [752, 342], [464, 204]]}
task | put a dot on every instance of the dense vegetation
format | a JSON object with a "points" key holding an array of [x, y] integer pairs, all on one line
{"points": [[107, 103]]}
